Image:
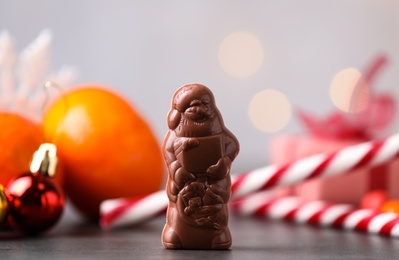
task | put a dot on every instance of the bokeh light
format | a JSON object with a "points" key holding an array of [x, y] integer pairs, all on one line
{"points": [[348, 91], [270, 110], [241, 54]]}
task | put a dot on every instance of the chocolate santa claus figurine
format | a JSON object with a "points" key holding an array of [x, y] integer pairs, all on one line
{"points": [[198, 150]]}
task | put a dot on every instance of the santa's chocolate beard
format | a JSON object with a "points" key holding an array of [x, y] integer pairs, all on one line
{"points": [[192, 128]]}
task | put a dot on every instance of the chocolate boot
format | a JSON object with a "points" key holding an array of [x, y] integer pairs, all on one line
{"points": [[222, 240], [170, 239]]}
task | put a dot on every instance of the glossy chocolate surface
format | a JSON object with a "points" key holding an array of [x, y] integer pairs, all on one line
{"points": [[198, 150]]}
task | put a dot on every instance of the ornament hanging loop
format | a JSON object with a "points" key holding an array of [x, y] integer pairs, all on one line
{"points": [[45, 158], [47, 86]]}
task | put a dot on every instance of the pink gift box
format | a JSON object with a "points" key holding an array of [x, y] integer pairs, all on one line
{"points": [[349, 188]]}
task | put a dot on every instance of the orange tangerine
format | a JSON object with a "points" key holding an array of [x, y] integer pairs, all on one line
{"points": [[19, 139], [390, 206], [107, 148]]}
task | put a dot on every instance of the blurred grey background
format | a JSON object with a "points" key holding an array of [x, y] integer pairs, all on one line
{"points": [[147, 49]]}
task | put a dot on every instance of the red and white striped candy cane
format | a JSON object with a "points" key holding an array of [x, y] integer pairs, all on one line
{"points": [[125, 211], [317, 166], [122, 212], [320, 213]]}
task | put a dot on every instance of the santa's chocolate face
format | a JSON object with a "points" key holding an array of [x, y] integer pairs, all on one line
{"points": [[195, 112], [199, 110]]}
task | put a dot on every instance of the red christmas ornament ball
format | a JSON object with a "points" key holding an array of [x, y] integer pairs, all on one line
{"points": [[35, 203], [374, 199]]}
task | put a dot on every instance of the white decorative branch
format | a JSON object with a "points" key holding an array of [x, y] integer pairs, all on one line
{"points": [[22, 76]]}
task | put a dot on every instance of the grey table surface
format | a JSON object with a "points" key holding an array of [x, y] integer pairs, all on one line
{"points": [[253, 238]]}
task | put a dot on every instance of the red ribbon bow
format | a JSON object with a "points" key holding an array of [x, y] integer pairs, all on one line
{"points": [[376, 115]]}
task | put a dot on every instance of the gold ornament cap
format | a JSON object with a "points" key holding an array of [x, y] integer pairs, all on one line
{"points": [[3, 205], [45, 160]]}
